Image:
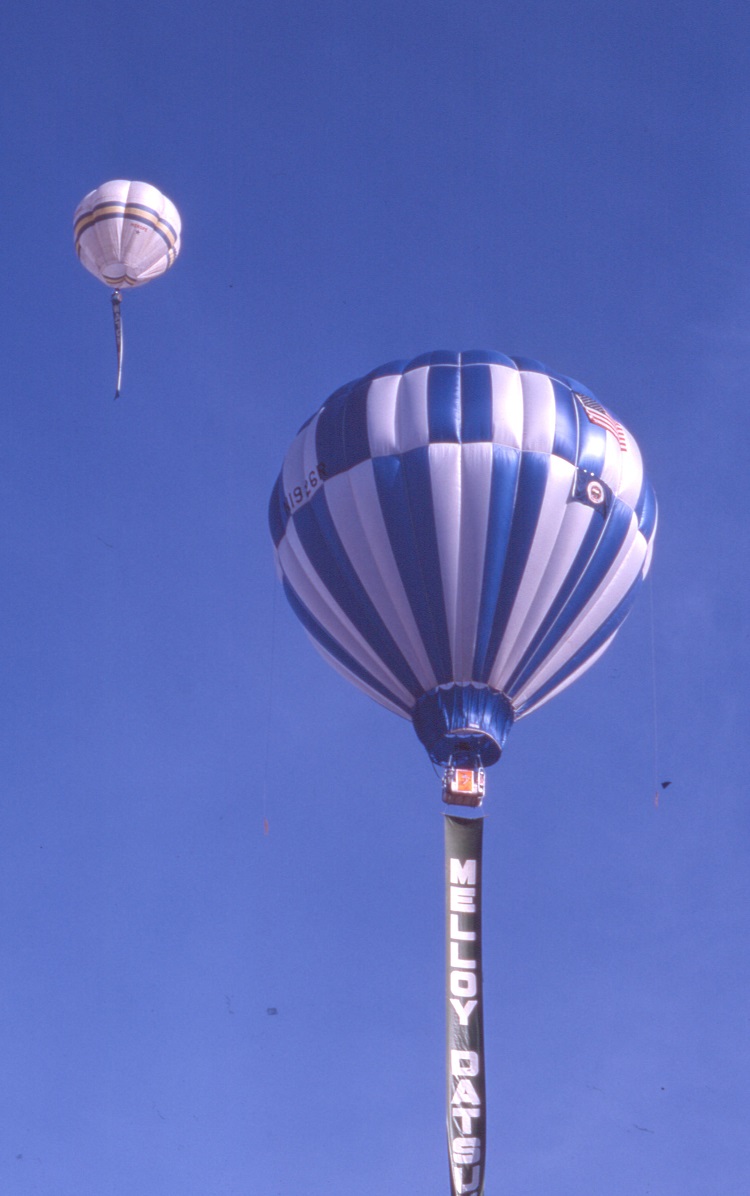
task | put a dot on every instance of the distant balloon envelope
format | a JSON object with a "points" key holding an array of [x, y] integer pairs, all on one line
{"points": [[126, 233], [461, 536]]}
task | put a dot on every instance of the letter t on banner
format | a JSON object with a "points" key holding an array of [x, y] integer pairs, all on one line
{"points": [[467, 1127]]}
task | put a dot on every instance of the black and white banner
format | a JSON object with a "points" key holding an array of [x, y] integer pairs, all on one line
{"points": [[116, 300], [465, 1057]]}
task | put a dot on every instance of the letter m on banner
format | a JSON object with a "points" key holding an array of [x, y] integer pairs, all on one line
{"points": [[463, 873]]}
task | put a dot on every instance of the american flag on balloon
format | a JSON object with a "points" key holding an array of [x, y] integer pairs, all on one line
{"points": [[600, 416]]}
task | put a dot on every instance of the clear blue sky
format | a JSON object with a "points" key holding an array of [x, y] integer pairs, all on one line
{"points": [[358, 183]]}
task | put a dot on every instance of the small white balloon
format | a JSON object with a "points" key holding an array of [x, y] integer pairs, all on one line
{"points": [[126, 233]]}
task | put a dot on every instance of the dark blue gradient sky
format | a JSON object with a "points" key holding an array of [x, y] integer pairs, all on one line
{"points": [[360, 183]]}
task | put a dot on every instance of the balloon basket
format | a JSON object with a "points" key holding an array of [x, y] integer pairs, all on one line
{"points": [[463, 786]]}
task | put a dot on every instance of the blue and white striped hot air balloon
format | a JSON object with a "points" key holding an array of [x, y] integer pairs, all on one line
{"points": [[461, 536]]}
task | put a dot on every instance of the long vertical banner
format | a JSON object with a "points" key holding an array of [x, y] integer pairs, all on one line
{"points": [[467, 1128], [116, 300]]}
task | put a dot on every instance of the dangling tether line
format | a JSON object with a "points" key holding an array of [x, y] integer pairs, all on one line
{"points": [[116, 300]]}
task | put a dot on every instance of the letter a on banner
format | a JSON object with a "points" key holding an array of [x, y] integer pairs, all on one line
{"points": [[465, 1046]]}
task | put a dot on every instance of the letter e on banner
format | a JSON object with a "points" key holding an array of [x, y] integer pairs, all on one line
{"points": [[466, 1151]]}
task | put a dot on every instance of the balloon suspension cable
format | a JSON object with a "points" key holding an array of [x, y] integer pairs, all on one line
{"points": [[465, 1073], [116, 300]]}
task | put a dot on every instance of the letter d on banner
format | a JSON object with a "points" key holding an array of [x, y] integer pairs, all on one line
{"points": [[467, 1127]]}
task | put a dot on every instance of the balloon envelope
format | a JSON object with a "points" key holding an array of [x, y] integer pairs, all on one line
{"points": [[126, 233], [461, 536]]}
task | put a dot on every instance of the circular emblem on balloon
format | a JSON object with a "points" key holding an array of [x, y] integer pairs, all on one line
{"points": [[595, 493]]}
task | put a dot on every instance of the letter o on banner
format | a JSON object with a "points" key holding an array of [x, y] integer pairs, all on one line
{"points": [[463, 984]]}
